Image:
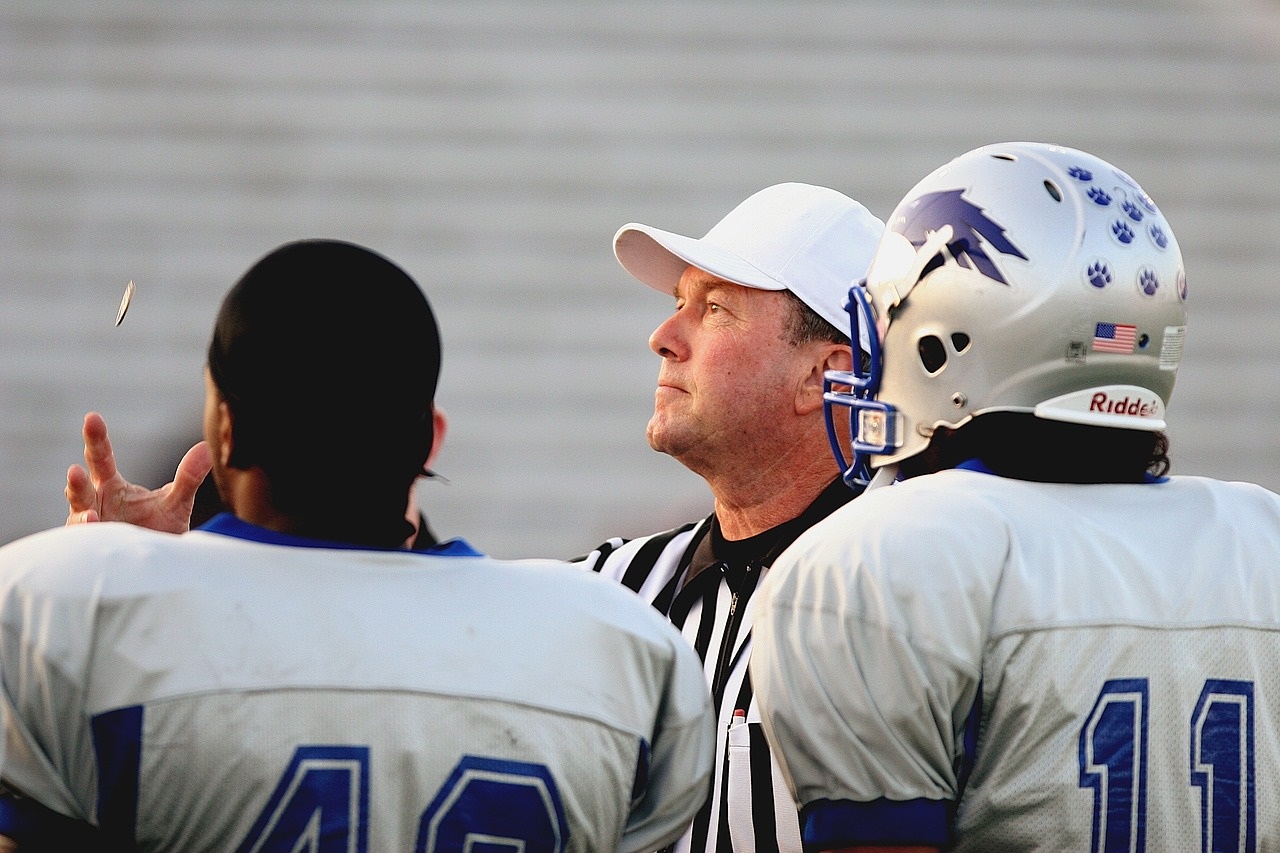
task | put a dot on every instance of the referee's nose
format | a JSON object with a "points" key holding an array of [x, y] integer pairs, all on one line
{"points": [[667, 341]]}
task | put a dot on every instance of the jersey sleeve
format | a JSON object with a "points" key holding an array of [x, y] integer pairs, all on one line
{"points": [[672, 779], [598, 557], [48, 750], [632, 562], [867, 670]]}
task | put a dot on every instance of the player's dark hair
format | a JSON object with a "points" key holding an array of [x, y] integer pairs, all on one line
{"points": [[328, 355], [1021, 446]]}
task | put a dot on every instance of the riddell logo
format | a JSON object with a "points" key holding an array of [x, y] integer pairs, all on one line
{"points": [[1126, 405]]}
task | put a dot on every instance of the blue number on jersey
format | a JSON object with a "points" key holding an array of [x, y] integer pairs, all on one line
{"points": [[492, 804], [320, 805], [1222, 765], [1113, 761]]}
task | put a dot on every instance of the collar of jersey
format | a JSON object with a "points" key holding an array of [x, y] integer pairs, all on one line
{"points": [[226, 524], [981, 467]]}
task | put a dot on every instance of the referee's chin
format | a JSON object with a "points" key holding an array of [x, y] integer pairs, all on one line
{"points": [[682, 445], [657, 434]]}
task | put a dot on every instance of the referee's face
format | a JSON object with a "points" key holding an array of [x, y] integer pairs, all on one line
{"points": [[727, 385]]}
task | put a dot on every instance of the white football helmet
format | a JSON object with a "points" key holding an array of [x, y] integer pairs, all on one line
{"points": [[1019, 277]]}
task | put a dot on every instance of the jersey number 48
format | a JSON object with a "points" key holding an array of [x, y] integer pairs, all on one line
{"points": [[321, 805]]}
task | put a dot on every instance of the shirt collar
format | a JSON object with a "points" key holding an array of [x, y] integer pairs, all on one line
{"points": [[763, 548], [227, 524], [980, 467]]}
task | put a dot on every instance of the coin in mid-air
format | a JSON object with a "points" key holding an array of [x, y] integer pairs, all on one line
{"points": [[124, 301]]}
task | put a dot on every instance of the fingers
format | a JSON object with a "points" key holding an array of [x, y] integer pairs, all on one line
{"points": [[98, 454], [191, 472], [89, 516], [99, 492], [82, 497]]}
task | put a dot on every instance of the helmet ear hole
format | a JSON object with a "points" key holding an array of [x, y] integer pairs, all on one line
{"points": [[960, 341], [933, 354]]}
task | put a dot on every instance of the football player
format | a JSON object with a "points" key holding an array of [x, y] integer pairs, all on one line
{"points": [[1037, 638], [291, 675]]}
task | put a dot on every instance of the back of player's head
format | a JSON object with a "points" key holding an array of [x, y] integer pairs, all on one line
{"points": [[1023, 277], [328, 355]]}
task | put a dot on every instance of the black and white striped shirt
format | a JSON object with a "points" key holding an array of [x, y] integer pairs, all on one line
{"points": [[704, 584]]}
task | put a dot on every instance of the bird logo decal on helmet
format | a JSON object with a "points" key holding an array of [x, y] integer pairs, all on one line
{"points": [[973, 231]]}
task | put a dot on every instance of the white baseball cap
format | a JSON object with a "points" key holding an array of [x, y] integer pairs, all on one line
{"points": [[812, 241]]}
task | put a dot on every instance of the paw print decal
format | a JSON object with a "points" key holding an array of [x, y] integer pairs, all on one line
{"points": [[1100, 197], [1158, 236], [1122, 232], [1080, 173], [1098, 274], [1132, 210], [1147, 281]]}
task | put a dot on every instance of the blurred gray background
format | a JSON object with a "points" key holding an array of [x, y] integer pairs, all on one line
{"points": [[493, 148]]}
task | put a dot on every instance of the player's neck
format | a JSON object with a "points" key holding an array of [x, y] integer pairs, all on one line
{"points": [[248, 496]]}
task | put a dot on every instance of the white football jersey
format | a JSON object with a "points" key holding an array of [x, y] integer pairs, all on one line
{"points": [[234, 689], [1003, 665]]}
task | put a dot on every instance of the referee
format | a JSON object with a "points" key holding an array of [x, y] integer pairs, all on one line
{"points": [[759, 305]]}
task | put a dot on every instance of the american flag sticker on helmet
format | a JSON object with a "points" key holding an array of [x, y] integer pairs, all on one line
{"points": [[1114, 337]]}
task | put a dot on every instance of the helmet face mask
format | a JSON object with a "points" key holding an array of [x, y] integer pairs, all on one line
{"points": [[1019, 277], [862, 382]]}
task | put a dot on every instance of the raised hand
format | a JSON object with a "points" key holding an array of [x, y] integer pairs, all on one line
{"points": [[100, 493]]}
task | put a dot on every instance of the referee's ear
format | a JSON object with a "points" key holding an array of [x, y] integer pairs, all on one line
{"points": [[439, 425], [827, 356]]}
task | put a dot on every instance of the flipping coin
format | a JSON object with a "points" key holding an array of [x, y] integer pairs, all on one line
{"points": [[124, 301]]}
